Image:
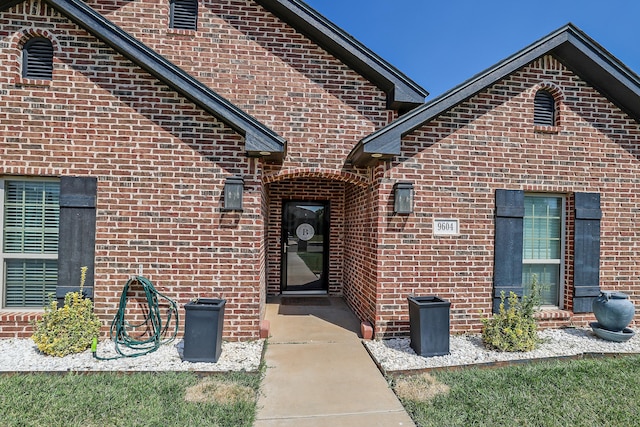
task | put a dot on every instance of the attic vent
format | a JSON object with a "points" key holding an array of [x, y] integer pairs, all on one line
{"points": [[37, 59], [184, 14], [544, 109]]}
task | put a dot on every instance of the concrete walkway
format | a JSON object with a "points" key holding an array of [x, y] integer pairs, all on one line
{"points": [[318, 373]]}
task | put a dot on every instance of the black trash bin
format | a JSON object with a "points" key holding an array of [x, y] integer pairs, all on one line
{"points": [[429, 325], [203, 330]]}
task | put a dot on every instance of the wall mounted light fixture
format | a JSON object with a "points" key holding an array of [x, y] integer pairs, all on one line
{"points": [[233, 189], [403, 197]]}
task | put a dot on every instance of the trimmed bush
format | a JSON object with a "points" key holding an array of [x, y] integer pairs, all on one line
{"points": [[69, 329], [514, 328]]}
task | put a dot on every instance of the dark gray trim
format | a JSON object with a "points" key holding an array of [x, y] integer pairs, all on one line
{"points": [[77, 234], [258, 137], [9, 4], [37, 59], [586, 251], [183, 14], [507, 264], [568, 44], [402, 92], [544, 108]]}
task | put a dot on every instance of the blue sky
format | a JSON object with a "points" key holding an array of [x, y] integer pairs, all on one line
{"points": [[440, 44]]}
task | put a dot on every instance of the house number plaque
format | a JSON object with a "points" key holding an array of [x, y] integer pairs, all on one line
{"points": [[446, 227]]}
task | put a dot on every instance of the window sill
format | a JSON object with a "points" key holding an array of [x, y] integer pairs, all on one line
{"points": [[546, 129], [181, 32], [18, 315], [21, 81], [552, 313]]}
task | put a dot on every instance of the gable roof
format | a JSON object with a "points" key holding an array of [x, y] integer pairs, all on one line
{"points": [[569, 45], [259, 139], [402, 93]]}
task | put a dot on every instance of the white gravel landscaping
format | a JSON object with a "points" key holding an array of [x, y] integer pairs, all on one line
{"points": [[397, 355], [22, 355]]}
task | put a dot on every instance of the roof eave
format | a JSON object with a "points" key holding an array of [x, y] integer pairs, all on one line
{"points": [[9, 4], [258, 137], [383, 148], [256, 145], [570, 45], [402, 93], [601, 70]]}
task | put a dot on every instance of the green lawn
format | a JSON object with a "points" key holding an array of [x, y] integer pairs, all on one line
{"points": [[590, 392], [313, 260], [140, 399]]}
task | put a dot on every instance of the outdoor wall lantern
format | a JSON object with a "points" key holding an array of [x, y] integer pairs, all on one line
{"points": [[403, 197], [233, 189]]}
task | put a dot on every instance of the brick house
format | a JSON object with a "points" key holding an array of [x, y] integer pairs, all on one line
{"points": [[245, 148]]}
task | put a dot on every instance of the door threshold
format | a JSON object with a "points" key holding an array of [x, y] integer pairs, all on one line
{"points": [[304, 293]]}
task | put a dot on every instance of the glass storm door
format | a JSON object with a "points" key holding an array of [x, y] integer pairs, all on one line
{"points": [[305, 247]]}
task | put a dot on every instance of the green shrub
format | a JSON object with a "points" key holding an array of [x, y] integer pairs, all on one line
{"points": [[514, 328], [69, 329]]}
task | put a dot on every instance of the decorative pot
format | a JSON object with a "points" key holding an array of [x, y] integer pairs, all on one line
{"points": [[613, 310], [203, 326], [429, 325]]}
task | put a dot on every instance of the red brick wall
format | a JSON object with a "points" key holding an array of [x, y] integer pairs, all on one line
{"points": [[269, 70], [161, 165], [458, 160], [161, 162], [360, 254]]}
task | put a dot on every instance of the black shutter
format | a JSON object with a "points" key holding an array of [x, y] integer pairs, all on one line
{"points": [[507, 269], [544, 106], [586, 251], [77, 238], [37, 59], [184, 14]]}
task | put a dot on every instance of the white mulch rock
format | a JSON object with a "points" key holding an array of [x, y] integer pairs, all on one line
{"points": [[397, 355], [22, 355]]}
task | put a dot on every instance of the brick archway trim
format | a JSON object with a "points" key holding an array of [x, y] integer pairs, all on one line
{"points": [[343, 176]]}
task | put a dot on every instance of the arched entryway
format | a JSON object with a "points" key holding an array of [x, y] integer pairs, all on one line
{"points": [[308, 230]]}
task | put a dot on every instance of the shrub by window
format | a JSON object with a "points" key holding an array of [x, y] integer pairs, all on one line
{"points": [[37, 59], [184, 14], [544, 105]]}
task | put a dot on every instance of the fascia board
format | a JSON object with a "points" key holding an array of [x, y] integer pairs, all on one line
{"points": [[258, 137], [402, 92], [570, 45]]}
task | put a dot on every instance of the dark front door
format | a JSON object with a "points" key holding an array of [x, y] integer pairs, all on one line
{"points": [[305, 247]]}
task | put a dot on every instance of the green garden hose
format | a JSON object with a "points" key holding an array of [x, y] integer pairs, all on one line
{"points": [[150, 331]]}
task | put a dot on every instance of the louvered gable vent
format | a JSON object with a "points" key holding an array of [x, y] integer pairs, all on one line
{"points": [[544, 109], [184, 14], [37, 57]]}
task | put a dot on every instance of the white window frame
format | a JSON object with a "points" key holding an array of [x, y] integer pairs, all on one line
{"points": [[4, 256], [563, 237]]}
